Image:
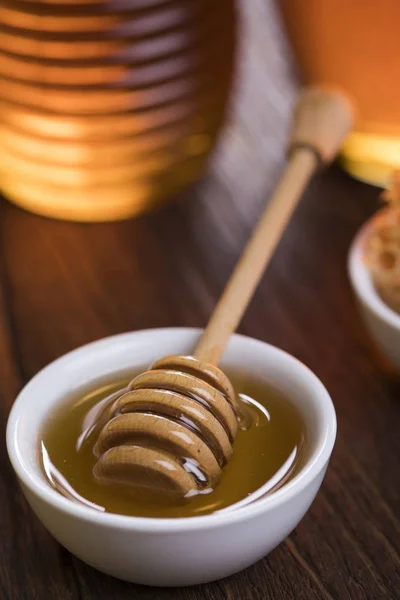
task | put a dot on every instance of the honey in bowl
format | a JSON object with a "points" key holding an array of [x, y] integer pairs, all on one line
{"points": [[268, 449]]}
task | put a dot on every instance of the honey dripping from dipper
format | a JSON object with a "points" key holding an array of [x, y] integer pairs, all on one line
{"points": [[268, 447]]}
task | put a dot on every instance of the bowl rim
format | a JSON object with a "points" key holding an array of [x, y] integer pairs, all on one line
{"points": [[311, 469], [360, 276]]}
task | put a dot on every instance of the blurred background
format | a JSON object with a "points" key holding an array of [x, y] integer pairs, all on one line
{"points": [[109, 109], [175, 114]]}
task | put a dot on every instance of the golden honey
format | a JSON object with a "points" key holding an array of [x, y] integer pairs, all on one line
{"points": [[108, 108], [268, 448]]}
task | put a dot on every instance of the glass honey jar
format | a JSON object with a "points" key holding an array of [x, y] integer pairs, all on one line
{"points": [[110, 107], [353, 45]]}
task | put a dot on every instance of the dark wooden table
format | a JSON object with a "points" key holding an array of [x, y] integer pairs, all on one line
{"points": [[65, 284]]}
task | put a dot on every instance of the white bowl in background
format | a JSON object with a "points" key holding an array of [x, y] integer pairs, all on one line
{"points": [[170, 552], [381, 321]]}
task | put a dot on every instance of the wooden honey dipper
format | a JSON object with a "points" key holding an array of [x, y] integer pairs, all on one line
{"points": [[172, 430]]}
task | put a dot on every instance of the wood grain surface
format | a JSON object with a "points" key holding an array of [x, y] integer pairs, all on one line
{"points": [[65, 284]]}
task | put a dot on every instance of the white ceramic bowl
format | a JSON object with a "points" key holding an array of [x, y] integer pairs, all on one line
{"points": [[170, 552], [382, 322]]}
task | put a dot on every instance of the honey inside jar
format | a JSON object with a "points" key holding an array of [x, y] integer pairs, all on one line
{"points": [[268, 448]]}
